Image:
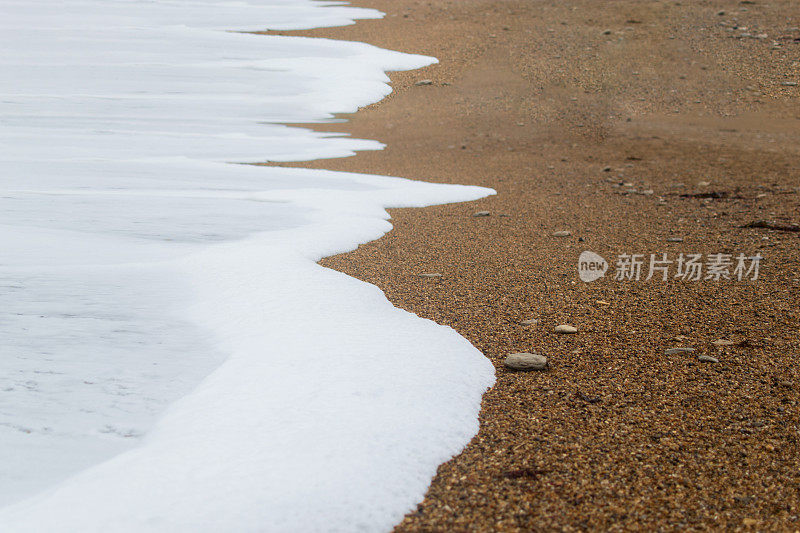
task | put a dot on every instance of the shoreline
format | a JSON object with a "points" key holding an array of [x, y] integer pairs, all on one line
{"points": [[640, 129], [160, 371]]}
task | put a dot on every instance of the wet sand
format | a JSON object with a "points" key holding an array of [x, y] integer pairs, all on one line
{"points": [[641, 128]]}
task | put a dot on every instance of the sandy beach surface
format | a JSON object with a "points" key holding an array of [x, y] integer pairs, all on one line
{"points": [[656, 127]]}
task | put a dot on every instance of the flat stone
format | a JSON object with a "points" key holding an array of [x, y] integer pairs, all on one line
{"points": [[675, 239], [789, 84], [723, 342], [562, 233], [673, 351], [707, 359], [566, 328], [424, 82], [531, 322], [433, 275], [526, 361], [482, 214]]}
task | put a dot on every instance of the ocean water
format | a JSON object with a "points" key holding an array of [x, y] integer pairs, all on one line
{"points": [[172, 358]]}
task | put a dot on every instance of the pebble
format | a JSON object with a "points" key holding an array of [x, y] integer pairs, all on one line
{"points": [[789, 84], [531, 322], [424, 82], [707, 359], [435, 275], [526, 361], [673, 351], [566, 328], [482, 214], [563, 233], [723, 342], [675, 239]]}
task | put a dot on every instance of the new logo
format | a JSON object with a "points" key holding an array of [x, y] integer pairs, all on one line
{"points": [[591, 266]]}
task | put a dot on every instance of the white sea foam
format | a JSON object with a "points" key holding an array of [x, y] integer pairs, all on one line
{"points": [[173, 358]]}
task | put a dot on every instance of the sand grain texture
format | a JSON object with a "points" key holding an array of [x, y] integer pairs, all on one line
{"points": [[632, 125]]}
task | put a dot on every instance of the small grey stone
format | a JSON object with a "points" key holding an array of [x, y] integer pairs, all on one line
{"points": [[673, 351], [424, 82], [562, 233], [675, 239], [526, 361], [566, 328], [531, 322], [434, 275], [482, 214], [789, 84], [707, 359]]}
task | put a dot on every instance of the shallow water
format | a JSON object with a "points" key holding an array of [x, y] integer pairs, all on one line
{"points": [[162, 306]]}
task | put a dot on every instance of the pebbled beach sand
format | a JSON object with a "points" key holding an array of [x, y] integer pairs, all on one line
{"points": [[640, 128]]}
